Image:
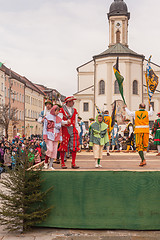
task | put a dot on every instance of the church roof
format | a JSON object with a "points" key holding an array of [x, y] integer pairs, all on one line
{"points": [[118, 8], [118, 50]]}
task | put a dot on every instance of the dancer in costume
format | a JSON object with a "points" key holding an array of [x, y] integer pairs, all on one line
{"points": [[82, 131], [108, 120], [115, 136], [156, 132], [129, 134], [141, 130], [70, 135], [91, 120], [48, 105], [52, 133], [98, 138]]}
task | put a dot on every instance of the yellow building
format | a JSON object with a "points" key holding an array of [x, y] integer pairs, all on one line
{"points": [[33, 107], [12, 97]]}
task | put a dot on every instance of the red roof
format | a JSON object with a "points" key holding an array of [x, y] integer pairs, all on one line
{"points": [[21, 79]]}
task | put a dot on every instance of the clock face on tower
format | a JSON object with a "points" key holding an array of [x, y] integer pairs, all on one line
{"points": [[118, 24]]}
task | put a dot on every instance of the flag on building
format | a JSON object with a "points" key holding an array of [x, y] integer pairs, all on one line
{"points": [[119, 78], [151, 80], [113, 115]]}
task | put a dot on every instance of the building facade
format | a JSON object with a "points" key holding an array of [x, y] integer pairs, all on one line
{"points": [[52, 94], [28, 99], [97, 84], [2, 95], [14, 91], [34, 99]]}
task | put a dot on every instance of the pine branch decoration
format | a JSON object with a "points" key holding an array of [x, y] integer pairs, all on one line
{"points": [[22, 202]]}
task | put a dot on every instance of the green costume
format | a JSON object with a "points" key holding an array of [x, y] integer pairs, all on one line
{"points": [[98, 138], [98, 133], [156, 131]]}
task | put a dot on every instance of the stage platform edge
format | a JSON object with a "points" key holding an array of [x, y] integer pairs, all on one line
{"points": [[127, 200]]}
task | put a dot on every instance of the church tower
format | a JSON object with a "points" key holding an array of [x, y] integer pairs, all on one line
{"points": [[97, 84], [118, 17]]}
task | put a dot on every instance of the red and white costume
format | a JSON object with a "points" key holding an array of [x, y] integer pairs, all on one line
{"points": [[52, 133], [70, 136]]}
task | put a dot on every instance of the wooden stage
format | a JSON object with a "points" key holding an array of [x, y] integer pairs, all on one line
{"points": [[115, 162]]}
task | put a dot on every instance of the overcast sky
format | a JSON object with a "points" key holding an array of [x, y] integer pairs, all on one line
{"points": [[46, 40]]}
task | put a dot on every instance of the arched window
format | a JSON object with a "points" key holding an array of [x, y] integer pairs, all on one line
{"points": [[135, 87], [116, 87], [118, 36], [101, 87]]}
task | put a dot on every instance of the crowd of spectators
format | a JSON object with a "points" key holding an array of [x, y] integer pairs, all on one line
{"points": [[9, 149]]}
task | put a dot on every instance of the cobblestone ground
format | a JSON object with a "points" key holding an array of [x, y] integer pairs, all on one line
{"points": [[58, 234], [127, 161]]}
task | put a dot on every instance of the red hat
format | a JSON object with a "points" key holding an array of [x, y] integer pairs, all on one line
{"points": [[158, 114], [68, 99]]}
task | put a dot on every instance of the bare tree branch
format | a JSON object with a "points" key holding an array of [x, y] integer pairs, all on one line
{"points": [[5, 118]]}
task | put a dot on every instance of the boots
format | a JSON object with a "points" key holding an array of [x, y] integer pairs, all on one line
{"points": [[74, 160], [46, 162], [63, 166], [128, 147]]}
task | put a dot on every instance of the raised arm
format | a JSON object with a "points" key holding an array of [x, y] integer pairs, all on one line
{"points": [[150, 112], [129, 113]]}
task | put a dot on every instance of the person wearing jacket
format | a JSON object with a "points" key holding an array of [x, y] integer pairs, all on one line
{"points": [[69, 116], [52, 133], [48, 105], [141, 131], [98, 138], [156, 132], [115, 136], [81, 130]]}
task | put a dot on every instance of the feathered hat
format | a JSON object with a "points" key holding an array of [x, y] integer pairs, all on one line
{"points": [[48, 101], [68, 99]]}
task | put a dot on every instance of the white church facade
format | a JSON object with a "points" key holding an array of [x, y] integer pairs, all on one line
{"points": [[96, 80]]}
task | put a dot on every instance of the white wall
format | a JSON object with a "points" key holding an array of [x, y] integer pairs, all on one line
{"points": [[79, 106], [86, 76], [131, 69]]}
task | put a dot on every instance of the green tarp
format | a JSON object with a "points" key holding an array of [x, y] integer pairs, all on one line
{"points": [[103, 200]]}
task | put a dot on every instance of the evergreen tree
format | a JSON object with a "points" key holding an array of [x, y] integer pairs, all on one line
{"points": [[22, 201]]}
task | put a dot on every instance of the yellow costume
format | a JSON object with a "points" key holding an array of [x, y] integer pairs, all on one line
{"points": [[141, 130], [107, 120]]}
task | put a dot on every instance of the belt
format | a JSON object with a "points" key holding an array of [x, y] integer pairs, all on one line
{"points": [[50, 130], [142, 126]]}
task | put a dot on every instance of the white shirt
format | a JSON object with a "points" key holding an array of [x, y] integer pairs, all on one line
{"points": [[47, 112], [69, 110], [66, 122], [130, 130], [115, 132], [56, 129], [132, 114], [83, 128]]}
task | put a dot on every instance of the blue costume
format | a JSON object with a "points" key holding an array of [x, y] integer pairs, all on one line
{"points": [[41, 116], [115, 135], [82, 131]]}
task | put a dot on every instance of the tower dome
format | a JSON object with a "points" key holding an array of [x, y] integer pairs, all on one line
{"points": [[118, 8]]}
